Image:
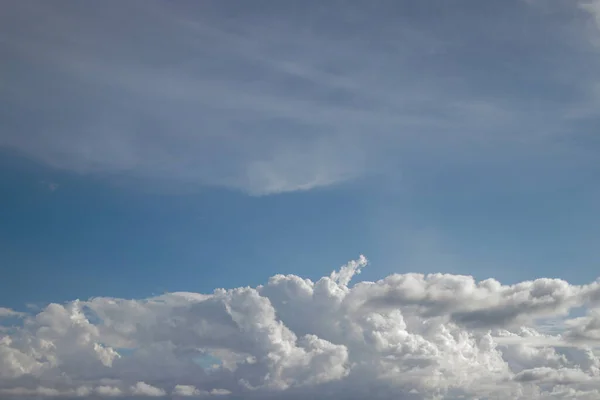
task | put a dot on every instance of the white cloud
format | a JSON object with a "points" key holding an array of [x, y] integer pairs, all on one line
{"points": [[186, 390], [143, 389], [593, 7], [220, 392], [586, 328], [406, 336], [7, 312], [39, 391], [108, 391], [191, 391]]}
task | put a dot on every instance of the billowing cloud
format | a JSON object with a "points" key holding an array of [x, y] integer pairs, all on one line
{"points": [[407, 336], [586, 328]]}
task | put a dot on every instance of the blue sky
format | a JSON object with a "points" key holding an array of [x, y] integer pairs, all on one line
{"points": [[178, 179], [162, 146]]}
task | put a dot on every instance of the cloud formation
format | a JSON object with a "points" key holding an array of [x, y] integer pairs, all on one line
{"points": [[7, 312], [407, 336], [288, 98]]}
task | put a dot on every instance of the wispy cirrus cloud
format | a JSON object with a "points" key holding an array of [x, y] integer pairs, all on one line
{"points": [[281, 100]]}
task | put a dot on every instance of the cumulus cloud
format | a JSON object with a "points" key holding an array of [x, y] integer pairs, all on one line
{"points": [[408, 336], [143, 389], [585, 328]]}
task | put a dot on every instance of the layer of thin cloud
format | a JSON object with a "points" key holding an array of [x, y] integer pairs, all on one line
{"points": [[593, 7], [409, 336], [277, 100], [7, 312]]}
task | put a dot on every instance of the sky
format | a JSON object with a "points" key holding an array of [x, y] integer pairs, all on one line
{"points": [[179, 179]]}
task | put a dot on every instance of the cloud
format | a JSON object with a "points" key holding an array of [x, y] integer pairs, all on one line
{"points": [[185, 390], [592, 7], [564, 376], [143, 389], [7, 312], [586, 328], [407, 336], [278, 101], [191, 391]]}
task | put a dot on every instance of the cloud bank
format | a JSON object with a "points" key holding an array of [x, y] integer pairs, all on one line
{"points": [[408, 336]]}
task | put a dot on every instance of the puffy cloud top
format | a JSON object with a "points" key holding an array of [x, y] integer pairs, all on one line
{"points": [[409, 336]]}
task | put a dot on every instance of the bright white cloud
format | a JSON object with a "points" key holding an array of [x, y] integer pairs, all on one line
{"points": [[406, 336]]}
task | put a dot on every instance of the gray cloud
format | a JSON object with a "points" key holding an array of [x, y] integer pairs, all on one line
{"points": [[7, 312], [273, 101]]}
